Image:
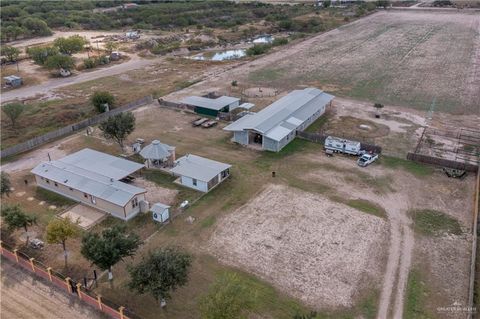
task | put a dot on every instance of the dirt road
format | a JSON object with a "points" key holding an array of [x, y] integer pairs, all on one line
{"points": [[24, 296], [135, 62]]}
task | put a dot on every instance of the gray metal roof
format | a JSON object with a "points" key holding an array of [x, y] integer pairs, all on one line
{"points": [[284, 114], [156, 151], [88, 182], [159, 207], [213, 104], [94, 173], [197, 167], [102, 164]]}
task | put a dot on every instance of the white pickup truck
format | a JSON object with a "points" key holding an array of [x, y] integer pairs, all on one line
{"points": [[367, 159]]}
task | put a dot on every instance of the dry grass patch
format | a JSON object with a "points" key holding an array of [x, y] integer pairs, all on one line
{"points": [[309, 247]]}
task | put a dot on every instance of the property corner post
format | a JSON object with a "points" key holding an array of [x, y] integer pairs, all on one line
{"points": [[15, 252], [79, 291], [1, 247], [67, 280], [99, 300], [49, 270], [31, 264], [120, 310]]}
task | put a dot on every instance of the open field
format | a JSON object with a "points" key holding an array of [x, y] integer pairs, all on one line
{"points": [[403, 58], [319, 251]]}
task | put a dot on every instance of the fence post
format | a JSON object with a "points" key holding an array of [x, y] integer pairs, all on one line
{"points": [[79, 286], [49, 270], [99, 300], [16, 254], [67, 280], [120, 310], [1, 247], [31, 264]]}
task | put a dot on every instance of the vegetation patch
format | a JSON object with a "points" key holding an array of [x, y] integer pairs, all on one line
{"points": [[52, 198], [434, 223], [367, 207], [416, 169], [415, 297]]}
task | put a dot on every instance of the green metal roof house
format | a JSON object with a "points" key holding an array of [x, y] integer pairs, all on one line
{"points": [[211, 107]]}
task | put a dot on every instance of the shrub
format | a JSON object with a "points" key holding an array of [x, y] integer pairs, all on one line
{"points": [[89, 63], [258, 49], [100, 98], [279, 41]]}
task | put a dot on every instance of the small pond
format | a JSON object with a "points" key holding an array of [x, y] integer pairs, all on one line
{"points": [[263, 39], [221, 55]]}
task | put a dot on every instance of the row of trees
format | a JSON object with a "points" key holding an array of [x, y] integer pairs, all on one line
{"points": [[23, 27], [158, 273]]}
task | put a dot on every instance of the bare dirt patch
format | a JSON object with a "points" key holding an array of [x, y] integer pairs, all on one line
{"points": [[155, 193], [315, 249]]}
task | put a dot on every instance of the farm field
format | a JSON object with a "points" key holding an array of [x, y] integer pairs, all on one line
{"points": [[404, 58], [398, 58]]}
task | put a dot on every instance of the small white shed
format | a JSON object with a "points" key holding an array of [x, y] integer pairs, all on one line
{"points": [[161, 212]]}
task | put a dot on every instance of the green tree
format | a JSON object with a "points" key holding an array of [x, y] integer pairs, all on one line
{"points": [[118, 127], [11, 53], [59, 230], [160, 273], [13, 111], [5, 184], [70, 45], [16, 218], [58, 62], [227, 298], [11, 32], [109, 247], [327, 3], [383, 3], [111, 46], [36, 26], [40, 54], [100, 98]]}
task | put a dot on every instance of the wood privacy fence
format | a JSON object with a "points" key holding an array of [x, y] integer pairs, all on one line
{"points": [[320, 138], [425, 159], [69, 129], [66, 284]]}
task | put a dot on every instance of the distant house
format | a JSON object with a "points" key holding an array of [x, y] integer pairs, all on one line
{"points": [[200, 173], [158, 155], [13, 80], [275, 126], [208, 106], [94, 179]]}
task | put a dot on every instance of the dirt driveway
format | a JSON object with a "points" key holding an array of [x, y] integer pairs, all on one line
{"points": [[135, 62], [24, 296]]}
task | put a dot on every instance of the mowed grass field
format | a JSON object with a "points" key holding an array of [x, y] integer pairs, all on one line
{"points": [[402, 58]]}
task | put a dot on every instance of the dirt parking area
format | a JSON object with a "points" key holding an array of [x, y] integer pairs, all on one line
{"points": [[156, 194], [319, 251], [24, 296]]}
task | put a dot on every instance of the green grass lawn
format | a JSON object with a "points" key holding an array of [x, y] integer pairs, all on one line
{"points": [[416, 293], [367, 207], [416, 169], [434, 223]]}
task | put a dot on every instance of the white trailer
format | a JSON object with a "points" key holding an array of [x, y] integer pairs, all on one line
{"points": [[340, 145]]}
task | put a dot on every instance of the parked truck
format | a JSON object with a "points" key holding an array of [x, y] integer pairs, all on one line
{"points": [[367, 159], [339, 145]]}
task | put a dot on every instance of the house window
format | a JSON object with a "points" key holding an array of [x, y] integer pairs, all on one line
{"points": [[48, 182], [225, 173], [55, 184], [85, 195], [71, 189], [194, 182], [134, 202]]}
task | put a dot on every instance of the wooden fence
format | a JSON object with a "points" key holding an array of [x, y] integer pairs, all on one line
{"points": [[69, 129], [66, 284], [425, 159]]}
